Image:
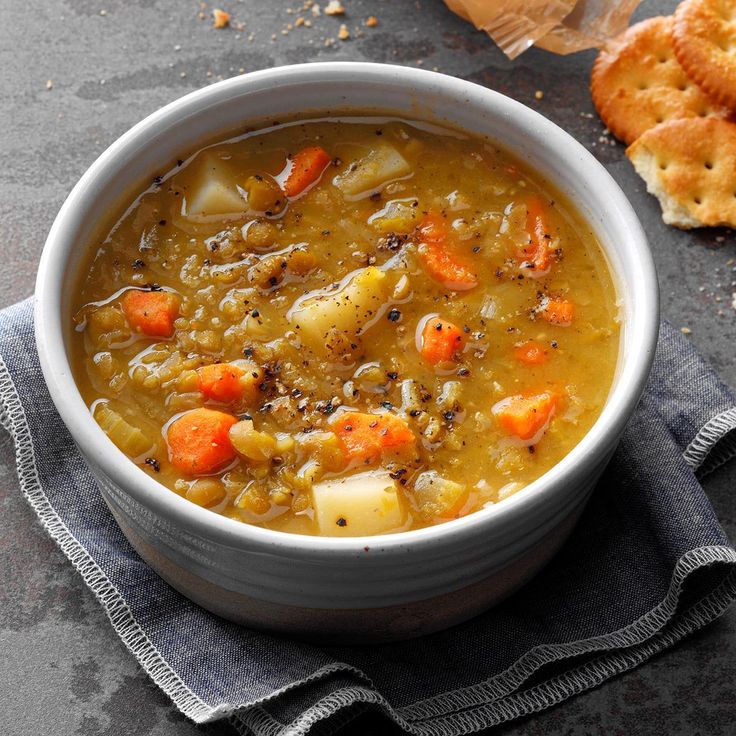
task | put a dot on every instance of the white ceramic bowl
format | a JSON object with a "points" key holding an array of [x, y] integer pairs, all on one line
{"points": [[372, 588]]}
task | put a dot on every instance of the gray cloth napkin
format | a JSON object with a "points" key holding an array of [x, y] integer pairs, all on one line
{"points": [[647, 564]]}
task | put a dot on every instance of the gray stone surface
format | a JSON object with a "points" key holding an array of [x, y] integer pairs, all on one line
{"points": [[62, 670]]}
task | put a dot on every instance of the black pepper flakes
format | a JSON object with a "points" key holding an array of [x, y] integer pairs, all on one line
{"points": [[138, 263], [394, 315], [341, 522], [154, 464], [393, 375]]}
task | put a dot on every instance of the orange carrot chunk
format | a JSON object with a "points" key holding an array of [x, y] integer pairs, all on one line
{"points": [[557, 311], [365, 436], [525, 416], [440, 341], [151, 312], [198, 441], [438, 259], [221, 381], [531, 352], [536, 255], [307, 167]]}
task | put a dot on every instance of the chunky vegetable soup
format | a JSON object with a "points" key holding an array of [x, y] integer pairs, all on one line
{"points": [[346, 326]]}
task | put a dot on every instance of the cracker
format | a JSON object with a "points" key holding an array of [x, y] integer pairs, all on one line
{"points": [[690, 166], [704, 39], [638, 83]]}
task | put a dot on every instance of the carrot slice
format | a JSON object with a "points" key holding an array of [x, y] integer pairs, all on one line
{"points": [[151, 312], [365, 436], [440, 341], [526, 416], [307, 167], [557, 311], [531, 352], [536, 255], [221, 381], [438, 259], [198, 441]]}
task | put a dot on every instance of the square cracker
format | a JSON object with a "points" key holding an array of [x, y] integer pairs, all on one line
{"points": [[690, 166]]}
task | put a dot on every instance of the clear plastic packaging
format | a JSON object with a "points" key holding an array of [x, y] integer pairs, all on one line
{"points": [[560, 26]]}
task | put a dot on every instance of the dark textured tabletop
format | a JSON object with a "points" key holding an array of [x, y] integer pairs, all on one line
{"points": [[77, 74]]}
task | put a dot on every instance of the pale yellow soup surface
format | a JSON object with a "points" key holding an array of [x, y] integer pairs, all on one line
{"points": [[320, 300]]}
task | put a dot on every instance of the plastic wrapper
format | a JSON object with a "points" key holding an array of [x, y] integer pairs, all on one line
{"points": [[560, 26]]}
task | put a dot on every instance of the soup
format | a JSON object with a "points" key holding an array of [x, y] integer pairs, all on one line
{"points": [[346, 326]]}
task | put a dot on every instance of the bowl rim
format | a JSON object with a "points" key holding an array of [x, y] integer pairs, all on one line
{"points": [[146, 490]]}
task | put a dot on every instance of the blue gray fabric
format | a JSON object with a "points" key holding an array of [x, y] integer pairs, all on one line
{"points": [[647, 565]]}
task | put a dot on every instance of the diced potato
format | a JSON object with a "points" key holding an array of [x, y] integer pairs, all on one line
{"points": [[217, 196], [131, 440], [216, 200], [438, 497], [370, 173], [366, 503], [398, 216], [327, 316], [264, 195]]}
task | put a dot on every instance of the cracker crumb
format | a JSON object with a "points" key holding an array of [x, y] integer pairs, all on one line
{"points": [[299, 21], [344, 33], [315, 10], [49, 84], [220, 18], [103, 13], [538, 95], [371, 21], [334, 7], [733, 300], [686, 330]]}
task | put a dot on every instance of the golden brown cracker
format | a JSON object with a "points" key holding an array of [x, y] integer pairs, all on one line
{"points": [[690, 166], [704, 39], [638, 83]]}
